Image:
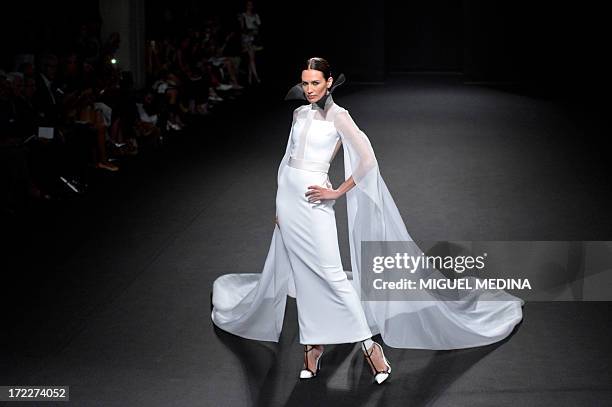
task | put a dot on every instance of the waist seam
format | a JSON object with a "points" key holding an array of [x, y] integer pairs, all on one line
{"points": [[315, 166]]}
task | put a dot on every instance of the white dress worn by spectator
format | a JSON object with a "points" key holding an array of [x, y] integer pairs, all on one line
{"points": [[144, 116], [251, 22], [251, 28]]}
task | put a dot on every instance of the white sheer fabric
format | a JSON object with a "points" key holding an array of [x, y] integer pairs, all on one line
{"points": [[252, 304]]}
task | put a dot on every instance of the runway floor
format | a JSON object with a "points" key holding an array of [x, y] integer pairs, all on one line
{"points": [[109, 293]]}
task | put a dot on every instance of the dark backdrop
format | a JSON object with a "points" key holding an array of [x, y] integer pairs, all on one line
{"points": [[535, 43]]}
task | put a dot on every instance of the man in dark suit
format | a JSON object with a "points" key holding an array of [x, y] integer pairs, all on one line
{"points": [[46, 99], [65, 156]]}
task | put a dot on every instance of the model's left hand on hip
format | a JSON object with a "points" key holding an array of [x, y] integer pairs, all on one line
{"points": [[319, 193]]}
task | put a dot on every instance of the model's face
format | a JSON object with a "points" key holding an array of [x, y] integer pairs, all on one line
{"points": [[314, 84]]}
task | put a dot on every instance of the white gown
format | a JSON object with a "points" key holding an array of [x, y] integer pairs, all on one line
{"points": [[304, 260]]}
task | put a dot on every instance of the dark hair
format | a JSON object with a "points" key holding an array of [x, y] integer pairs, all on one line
{"points": [[320, 64]]}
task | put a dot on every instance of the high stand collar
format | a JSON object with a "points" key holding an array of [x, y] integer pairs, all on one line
{"points": [[324, 103]]}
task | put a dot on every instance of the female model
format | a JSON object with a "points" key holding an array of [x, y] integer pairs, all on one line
{"points": [[304, 260]]}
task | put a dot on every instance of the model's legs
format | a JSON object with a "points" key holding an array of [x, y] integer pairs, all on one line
{"points": [[329, 310]]}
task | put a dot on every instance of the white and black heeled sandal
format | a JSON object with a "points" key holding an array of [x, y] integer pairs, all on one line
{"points": [[379, 375], [306, 373]]}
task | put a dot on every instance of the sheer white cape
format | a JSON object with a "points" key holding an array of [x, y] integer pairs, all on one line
{"points": [[252, 305]]}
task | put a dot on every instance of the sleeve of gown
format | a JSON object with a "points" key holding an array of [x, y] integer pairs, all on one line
{"points": [[362, 158], [421, 319], [285, 158]]}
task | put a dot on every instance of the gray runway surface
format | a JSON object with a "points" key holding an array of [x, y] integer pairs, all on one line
{"points": [[112, 296]]}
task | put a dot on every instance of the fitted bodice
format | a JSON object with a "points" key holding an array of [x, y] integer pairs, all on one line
{"points": [[313, 139]]}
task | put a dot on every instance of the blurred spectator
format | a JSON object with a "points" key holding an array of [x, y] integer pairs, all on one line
{"points": [[146, 125], [61, 117], [84, 111], [232, 47], [24, 63], [88, 42], [110, 48], [46, 97], [16, 118], [169, 85], [251, 24], [224, 65]]}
